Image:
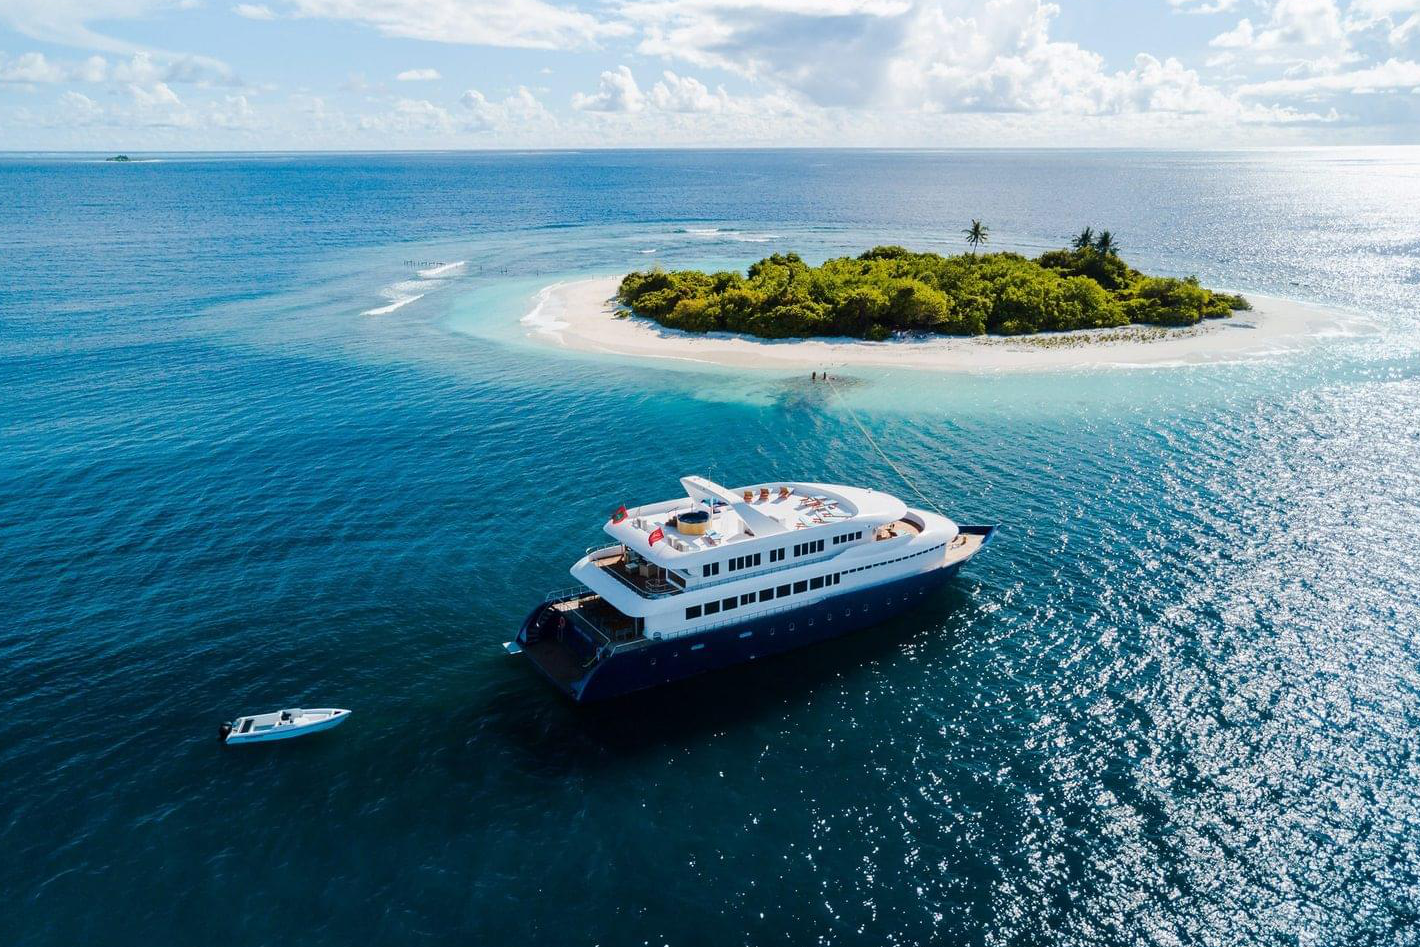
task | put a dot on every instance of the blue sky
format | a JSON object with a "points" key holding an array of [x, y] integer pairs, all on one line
{"points": [[393, 74]]}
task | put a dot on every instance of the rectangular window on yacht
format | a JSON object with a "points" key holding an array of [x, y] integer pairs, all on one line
{"points": [[692, 612], [782, 591], [747, 598], [766, 595], [818, 546], [730, 603], [756, 558], [816, 582], [710, 568], [712, 608], [776, 555], [801, 586]]}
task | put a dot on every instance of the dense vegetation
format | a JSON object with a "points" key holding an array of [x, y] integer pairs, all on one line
{"points": [[891, 289]]}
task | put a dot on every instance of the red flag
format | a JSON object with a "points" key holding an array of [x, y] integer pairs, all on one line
{"points": [[620, 514], [657, 535]]}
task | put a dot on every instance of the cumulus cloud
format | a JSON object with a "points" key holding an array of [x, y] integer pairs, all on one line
{"points": [[675, 93], [519, 112], [418, 75], [35, 69], [616, 92], [1294, 28]]}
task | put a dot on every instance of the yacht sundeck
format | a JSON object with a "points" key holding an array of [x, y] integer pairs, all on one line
{"points": [[722, 576]]}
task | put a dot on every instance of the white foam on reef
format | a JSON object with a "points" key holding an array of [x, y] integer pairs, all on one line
{"points": [[399, 303], [740, 236], [547, 307], [437, 271], [652, 250], [404, 292]]}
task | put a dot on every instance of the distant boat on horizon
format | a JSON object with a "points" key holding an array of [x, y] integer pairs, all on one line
{"points": [[720, 577]]}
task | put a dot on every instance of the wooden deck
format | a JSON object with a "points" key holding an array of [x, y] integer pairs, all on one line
{"points": [[963, 547], [897, 528], [653, 583], [598, 617]]}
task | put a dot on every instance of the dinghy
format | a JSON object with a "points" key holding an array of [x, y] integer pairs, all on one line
{"points": [[280, 725]]}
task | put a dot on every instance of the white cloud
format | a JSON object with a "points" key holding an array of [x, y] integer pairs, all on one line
{"points": [[1294, 30], [1392, 74], [254, 11], [675, 93], [418, 75], [1203, 6], [234, 112], [66, 22], [616, 92], [34, 68], [410, 115], [519, 113], [1399, 19], [1239, 37], [533, 24], [78, 109]]}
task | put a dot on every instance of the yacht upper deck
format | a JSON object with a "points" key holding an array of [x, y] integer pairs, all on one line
{"points": [[677, 533]]}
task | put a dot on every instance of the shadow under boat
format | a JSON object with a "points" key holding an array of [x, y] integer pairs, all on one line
{"points": [[562, 734]]}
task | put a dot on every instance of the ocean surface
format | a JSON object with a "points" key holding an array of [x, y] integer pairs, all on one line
{"points": [[280, 431]]}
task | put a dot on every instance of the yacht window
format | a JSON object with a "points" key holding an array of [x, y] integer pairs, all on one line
{"points": [[747, 598], [730, 603], [801, 586], [776, 555], [782, 591], [816, 582], [712, 608], [692, 612], [756, 559], [766, 594]]}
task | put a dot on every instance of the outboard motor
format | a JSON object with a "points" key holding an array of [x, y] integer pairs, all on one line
{"points": [[223, 731]]}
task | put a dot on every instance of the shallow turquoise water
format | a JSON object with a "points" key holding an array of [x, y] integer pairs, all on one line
{"points": [[1178, 700]]}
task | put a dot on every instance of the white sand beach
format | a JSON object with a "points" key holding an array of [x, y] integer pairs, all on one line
{"points": [[583, 315]]}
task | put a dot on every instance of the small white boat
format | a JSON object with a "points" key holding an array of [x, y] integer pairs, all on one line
{"points": [[281, 725]]}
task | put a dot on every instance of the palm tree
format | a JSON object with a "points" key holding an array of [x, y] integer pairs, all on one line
{"points": [[1106, 244], [1085, 239], [977, 234]]}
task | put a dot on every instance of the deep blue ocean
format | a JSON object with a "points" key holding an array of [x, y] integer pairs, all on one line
{"points": [[243, 468]]}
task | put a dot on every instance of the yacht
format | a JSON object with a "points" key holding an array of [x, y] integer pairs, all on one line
{"points": [[723, 576]]}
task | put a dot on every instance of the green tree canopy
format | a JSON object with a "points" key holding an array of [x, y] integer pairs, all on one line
{"points": [[892, 289]]}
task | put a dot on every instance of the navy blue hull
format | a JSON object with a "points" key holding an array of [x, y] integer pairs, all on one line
{"points": [[637, 667]]}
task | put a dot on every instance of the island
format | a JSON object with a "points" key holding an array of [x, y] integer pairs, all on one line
{"points": [[119, 158], [1077, 307], [890, 290]]}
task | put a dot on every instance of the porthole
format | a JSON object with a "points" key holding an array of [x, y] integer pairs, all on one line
{"points": [[791, 626], [848, 613]]}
